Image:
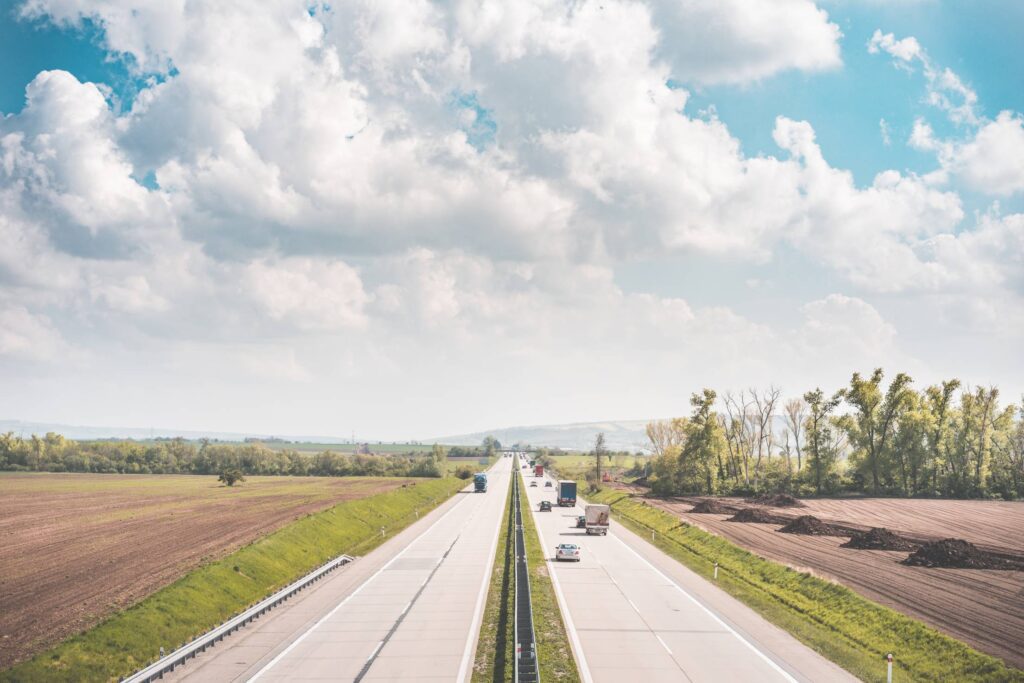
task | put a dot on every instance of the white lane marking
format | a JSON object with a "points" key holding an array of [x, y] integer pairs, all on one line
{"points": [[478, 615], [375, 650], [353, 594], [563, 606], [633, 605], [714, 616], [663, 644]]}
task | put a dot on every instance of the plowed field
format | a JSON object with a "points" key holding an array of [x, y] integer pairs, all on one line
{"points": [[76, 547], [984, 608]]}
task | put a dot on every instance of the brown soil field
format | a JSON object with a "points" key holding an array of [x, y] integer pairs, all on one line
{"points": [[984, 608], [75, 548]]}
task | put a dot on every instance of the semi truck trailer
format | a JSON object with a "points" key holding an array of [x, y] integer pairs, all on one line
{"points": [[566, 494], [480, 483], [598, 519], [538, 470]]}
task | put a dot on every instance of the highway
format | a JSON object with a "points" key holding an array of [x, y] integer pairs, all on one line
{"points": [[409, 610], [635, 614]]}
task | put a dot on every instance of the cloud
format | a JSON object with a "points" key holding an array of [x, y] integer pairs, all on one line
{"points": [[732, 41], [27, 336], [945, 89], [993, 162]]}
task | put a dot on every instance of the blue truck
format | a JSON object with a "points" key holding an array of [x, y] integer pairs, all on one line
{"points": [[566, 494], [480, 483]]}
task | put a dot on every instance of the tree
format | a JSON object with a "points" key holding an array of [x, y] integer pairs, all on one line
{"points": [[704, 443], [939, 401], [232, 476], [874, 421], [820, 448], [599, 451], [796, 413]]}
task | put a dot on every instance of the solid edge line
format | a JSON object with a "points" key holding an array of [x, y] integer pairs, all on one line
{"points": [[478, 615], [785, 674], [353, 594], [563, 607]]}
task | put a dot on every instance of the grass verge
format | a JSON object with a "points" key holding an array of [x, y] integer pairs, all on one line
{"points": [[553, 651], [843, 626], [496, 641], [211, 594]]}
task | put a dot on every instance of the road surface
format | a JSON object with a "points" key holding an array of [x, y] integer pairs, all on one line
{"points": [[409, 610], [636, 614]]}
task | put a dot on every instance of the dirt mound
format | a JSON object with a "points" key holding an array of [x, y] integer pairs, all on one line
{"points": [[879, 539], [778, 500], [759, 516], [811, 526], [955, 552], [711, 507]]}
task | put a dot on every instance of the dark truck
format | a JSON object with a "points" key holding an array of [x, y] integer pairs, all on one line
{"points": [[566, 494], [480, 483]]}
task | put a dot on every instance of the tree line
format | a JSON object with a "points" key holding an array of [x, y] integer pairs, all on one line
{"points": [[868, 437], [54, 453]]}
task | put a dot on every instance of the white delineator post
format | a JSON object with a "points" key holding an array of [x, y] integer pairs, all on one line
{"points": [[716, 570], [888, 666]]}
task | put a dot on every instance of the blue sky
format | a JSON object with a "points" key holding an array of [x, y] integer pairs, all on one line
{"points": [[390, 201]]}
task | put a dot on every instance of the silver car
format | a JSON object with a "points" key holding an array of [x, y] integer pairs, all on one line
{"points": [[568, 551]]}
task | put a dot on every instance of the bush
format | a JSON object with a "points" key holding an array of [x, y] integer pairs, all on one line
{"points": [[464, 472]]}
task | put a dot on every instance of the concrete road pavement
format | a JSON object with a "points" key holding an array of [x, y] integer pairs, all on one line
{"points": [[408, 611], [636, 614]]}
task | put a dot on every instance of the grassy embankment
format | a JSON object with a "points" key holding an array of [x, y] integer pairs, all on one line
{"points": [[214, 592], [848, 629], [553, 651], [496, 641]]}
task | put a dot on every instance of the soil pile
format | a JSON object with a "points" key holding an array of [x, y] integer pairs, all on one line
{"points": [[759, 516], [879, 539], [811, 526], [955, 552], [778, 500], [711, 507]]}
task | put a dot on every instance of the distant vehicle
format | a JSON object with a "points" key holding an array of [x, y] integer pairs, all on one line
{"points": [[547, 484], [598, 519], [567, 551], [480, 483], [545, 506], [533, 484], [566, 494], [581, 522], [538, 470]]}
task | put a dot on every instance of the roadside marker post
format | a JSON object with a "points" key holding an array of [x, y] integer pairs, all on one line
{"points": [[382, 532], [888, 666], [716, 571]]}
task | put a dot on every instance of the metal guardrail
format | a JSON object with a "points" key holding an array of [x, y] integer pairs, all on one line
{"points": [[167, 664], [525, 661]]}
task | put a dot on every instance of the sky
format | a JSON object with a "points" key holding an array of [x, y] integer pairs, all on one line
{"points": [[405, 219]]}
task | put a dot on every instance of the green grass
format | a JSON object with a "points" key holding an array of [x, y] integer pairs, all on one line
{"points": [[214, 592], [496, 641], [553, 651], [843, 626]]}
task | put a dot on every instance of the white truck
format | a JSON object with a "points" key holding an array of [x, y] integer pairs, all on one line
{"points": [[598, 519]]}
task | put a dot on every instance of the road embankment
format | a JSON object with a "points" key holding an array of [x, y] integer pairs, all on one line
{"points": [[848, 629]]}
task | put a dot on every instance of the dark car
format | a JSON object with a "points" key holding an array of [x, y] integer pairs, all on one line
{"points": [[581, 522], [545, 506], [533, 483], [548, 484]]}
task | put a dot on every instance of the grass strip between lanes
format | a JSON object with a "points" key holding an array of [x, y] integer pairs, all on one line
{"points": [[553, 650], [496, 641], [840, 624], [213, 593]]}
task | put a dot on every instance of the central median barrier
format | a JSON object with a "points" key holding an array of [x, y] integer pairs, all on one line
{"points": [[222, 590]]}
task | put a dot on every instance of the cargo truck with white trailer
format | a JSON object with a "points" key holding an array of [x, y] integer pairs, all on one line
{"points": [[598, 519]]}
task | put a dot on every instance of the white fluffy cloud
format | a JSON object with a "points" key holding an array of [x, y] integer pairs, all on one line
{"points": [[382, 189]]}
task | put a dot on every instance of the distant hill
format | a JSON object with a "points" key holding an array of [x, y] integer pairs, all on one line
{"points": [[620, 435]]}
